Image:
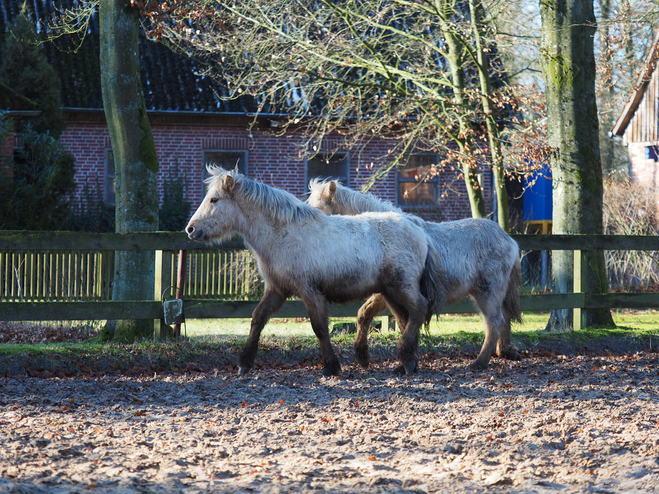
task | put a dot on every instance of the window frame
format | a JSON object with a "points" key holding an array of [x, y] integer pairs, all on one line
{"points": [[343, 180], [109, 197], [244, 169], [434, 180]]}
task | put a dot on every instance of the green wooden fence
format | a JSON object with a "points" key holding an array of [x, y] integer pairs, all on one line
{"points": [[204, 293]]}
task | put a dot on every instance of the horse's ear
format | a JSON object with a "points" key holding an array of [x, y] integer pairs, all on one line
{"points": [[330, 190], [229, 184]]}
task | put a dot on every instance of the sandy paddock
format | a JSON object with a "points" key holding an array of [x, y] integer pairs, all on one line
{"points": [[552, 424]]}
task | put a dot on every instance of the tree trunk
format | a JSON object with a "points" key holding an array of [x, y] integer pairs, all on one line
{"points": [[455, 57], [136, 164], [608, 94], [568, 67], [493, 134]]}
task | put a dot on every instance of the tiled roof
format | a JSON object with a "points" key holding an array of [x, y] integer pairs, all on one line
{"points": [[170, 81]]}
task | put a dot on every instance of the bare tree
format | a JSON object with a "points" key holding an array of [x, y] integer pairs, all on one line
{"points": [[419, 74]]}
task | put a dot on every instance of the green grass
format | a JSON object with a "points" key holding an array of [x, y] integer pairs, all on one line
{"points": [[288, 335], [643, 322]]}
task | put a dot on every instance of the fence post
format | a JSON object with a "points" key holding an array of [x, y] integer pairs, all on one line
{"points": [[163, 285], [580, 274], [181, 273]]}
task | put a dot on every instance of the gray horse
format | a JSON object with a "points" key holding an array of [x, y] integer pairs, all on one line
{"points": [[477, 258]]}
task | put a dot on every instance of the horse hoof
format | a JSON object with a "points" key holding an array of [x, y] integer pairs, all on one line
{"points": [[410, 368], [363, 363], [242, 370], [511, 353], [362, 357], [478, 366], [332, 370], [399, 370]]}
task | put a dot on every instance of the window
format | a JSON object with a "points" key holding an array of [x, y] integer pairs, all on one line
{"points": [[329, 166], [416, 187], [226, 159], [110, 192]]}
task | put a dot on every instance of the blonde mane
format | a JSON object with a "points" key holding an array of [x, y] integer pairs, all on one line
{"points": [[278, 204], [352, 202]]}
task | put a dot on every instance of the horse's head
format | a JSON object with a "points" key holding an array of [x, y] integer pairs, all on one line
{"points": [[217, 213], [322, 195]]}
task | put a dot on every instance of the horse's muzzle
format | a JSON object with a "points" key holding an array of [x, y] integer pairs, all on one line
{"points": [[194, 234]]}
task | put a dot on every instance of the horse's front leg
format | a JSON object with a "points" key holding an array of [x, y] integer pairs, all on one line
{"points": [[371, 308], [318, 314], [269, 304]]}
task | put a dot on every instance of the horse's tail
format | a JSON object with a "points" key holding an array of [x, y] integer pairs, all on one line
{"points": [[432, 286], [511, 306]]}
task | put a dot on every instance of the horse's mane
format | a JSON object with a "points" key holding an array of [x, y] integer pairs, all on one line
{"points": [[280, 205], [356, 201]]}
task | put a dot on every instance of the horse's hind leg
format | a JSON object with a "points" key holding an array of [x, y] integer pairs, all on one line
{"points": [[498, 311], [318, 314], [269, 304], [511, 312], [371, 308], [505, 349], [494, 323]]}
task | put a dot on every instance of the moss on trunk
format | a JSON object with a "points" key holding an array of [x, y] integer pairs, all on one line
{"points": [[568, 65], [136, 163]]}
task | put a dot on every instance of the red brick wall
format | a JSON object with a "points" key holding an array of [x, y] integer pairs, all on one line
{"points": [[271, 159]]}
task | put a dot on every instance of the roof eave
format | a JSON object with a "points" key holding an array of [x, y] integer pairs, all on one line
{"points": [[639, 90]]}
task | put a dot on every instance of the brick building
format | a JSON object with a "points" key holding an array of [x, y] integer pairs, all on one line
{"points": [[185, 142], [193, 124]]}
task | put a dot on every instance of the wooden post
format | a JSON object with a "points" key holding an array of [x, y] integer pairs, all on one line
{"points": [[391, 324], [580, 274], [163, 284], [181, 273]]}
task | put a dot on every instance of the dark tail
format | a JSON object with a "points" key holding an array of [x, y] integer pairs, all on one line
{"points": [[431, 282], [511, 307]]}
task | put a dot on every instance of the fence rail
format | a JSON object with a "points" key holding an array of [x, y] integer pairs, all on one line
{"points": [[203, 294]]}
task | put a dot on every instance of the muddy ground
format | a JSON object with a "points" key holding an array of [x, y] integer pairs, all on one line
{"points": [[545, 424]]}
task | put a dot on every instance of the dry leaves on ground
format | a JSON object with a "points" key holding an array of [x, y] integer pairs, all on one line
{"points": [[572, 424]]}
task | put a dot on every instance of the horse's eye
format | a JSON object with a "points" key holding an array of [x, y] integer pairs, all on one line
{"points": [[214, 200]]}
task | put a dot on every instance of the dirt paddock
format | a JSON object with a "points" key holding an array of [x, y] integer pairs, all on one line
{"points": [[559, 424]]}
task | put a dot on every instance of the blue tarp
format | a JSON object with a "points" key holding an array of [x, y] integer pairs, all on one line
{"points": [[538, 196]]}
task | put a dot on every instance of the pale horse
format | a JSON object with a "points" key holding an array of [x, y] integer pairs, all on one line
{"points": [[304, 253], [476, 258]]}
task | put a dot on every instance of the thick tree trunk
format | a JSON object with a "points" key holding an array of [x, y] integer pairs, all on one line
{"points": [[136, 164], [568, 66]]}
